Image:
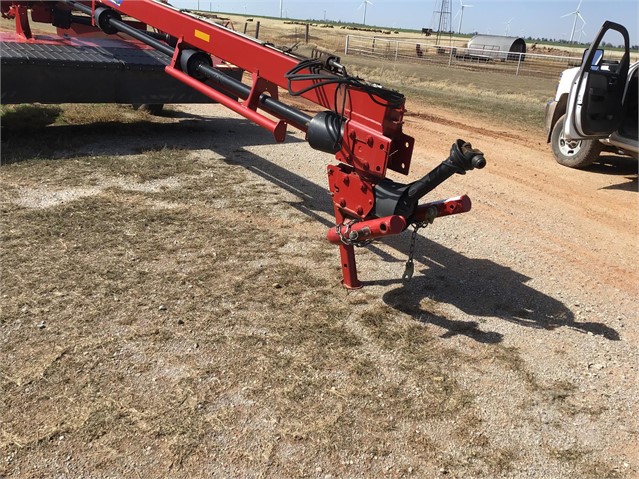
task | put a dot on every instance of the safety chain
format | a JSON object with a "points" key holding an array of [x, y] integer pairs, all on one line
{"points": [[350, 237], [410, 266]]}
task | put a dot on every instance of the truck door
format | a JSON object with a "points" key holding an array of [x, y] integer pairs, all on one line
{"points": [[595, 102]]}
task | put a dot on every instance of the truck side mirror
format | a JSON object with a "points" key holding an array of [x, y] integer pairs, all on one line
{"points": [[596, 59]]}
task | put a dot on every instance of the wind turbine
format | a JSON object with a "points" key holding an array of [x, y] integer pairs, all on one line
{"points": [[508, 26], [582, 31], [364, 3], [461, 14], [577, 14]]}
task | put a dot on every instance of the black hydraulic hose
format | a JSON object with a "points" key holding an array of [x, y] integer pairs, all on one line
{"points": [[129, 30], [276, 107], [227, 82]]}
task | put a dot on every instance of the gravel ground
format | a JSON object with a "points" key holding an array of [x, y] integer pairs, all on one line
{"points": [[545, 266]]}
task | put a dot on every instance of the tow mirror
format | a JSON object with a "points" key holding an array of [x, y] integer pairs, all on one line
{"points": [[596, 59]]}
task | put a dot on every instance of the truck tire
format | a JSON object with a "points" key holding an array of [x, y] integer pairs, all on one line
{"points": [[573, 153]]}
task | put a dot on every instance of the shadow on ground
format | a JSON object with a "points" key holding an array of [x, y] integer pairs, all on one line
{"points": [[116, 139], [615, 165], [481, 288]]}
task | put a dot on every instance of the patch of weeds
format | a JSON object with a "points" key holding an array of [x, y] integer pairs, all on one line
{"points": [[510, 357], [96, 170], [87, 114], [37, 132], [479, 458], [380, 321], [413, 304], [597, 469], [500, 460], [561, 393], [185, 434], [572, 454], [377, 316], [582, 460], [152, 165], [8, 193], [364, 369], [359, 298], [430, 390], [28, 117]]}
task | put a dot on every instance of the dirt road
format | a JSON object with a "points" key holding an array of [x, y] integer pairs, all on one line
{"points": [[586, 219], [512, 352]]}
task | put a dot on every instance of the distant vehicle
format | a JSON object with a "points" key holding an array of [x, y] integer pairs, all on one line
{"points": [[595, 106]]}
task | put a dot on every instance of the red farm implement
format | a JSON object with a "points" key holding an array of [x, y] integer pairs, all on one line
{"points": [[199, 60]]}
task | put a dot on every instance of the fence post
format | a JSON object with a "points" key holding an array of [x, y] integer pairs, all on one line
{"points": [[346, 46], [518, 64], [306, 35], [245, 27], [257, 29], [450, 58], [396, 49]]}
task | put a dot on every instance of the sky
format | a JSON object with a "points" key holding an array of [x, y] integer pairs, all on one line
{"points": [[534, 18]]}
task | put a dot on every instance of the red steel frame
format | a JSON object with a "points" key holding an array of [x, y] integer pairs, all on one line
{"points": [[373, 141]]}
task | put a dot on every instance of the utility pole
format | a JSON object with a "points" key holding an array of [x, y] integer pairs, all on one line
{"points": [[443, 16], [281, 6]]}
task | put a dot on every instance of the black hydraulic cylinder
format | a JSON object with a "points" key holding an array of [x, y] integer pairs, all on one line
{"points": [[110, 19]]}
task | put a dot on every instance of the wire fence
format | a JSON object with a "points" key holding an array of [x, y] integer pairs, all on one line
{"points": [[454, 54], [494, 60], [294, 33]]}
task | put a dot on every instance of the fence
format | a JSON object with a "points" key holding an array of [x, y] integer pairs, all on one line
{"points": [[294, 33], [453, 54], [531, 64]]}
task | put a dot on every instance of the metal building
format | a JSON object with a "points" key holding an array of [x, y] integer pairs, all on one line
{"points": [[495, 47]]}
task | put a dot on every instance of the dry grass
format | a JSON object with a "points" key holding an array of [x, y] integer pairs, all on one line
{"points": [[251, 364], [25, 137], [502, 98]]}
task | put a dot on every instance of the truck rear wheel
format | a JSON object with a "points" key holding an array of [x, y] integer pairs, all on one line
{"points": [[573, 153]]}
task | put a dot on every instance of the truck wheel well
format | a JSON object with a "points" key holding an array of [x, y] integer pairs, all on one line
{"points": [[560, 110]]}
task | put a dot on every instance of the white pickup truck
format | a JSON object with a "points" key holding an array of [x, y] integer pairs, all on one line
{"points": [[595, 106]]}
